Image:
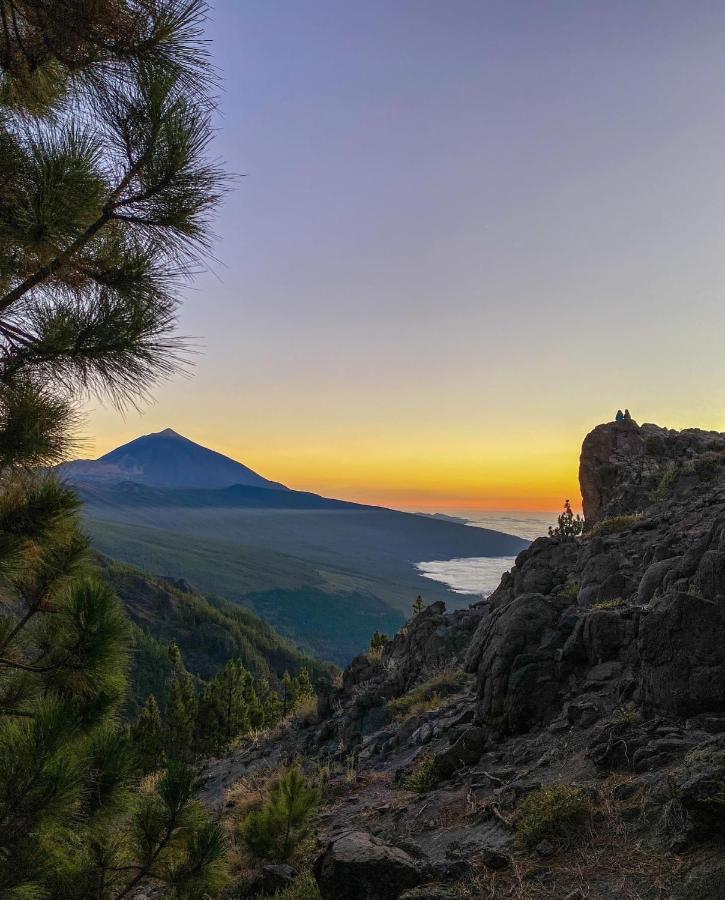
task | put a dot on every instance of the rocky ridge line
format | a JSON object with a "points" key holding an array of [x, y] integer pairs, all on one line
{"points": [[598, 662]]}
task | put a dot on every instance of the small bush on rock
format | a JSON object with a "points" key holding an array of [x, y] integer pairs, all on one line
{"points": [[614, 524], [555, 813], [428, 695], [570, 591], [625, 716], [276, 829], [609, 604], [377, 645], [666, 481], [424, 776]]}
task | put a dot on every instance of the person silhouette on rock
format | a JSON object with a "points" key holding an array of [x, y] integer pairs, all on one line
{"points": [[619, 417], [627, 417]]}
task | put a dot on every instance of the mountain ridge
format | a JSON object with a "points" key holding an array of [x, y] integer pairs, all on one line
{"points": [[166, 459]]}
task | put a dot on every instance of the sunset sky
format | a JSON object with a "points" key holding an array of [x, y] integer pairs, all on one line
{"points": [[468, 231]]}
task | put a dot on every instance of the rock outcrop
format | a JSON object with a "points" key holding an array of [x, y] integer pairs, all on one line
{"points": [[635, 609], [598, 664]]}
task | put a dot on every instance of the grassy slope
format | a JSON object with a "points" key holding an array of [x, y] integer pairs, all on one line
{"points": [[209, 632]]}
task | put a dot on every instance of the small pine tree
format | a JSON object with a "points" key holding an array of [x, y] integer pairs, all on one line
{"points": [[569, 525], [256, 712], [304, 684], [276, 829], [418, 605], [289, 693], [148, 736], [181, 711], [270, 703], [223, 710]]}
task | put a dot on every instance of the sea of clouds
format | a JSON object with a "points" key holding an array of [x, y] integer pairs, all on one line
{"points": [[479, 575]]}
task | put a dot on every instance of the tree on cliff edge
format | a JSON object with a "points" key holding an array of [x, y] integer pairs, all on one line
{"points": [[568, 525], [105, 193]]}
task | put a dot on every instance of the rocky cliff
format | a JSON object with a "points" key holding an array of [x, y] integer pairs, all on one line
{"points": [[565, 738]]}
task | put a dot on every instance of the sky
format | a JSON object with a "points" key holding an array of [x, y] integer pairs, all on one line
{"points": [[467, 232]]}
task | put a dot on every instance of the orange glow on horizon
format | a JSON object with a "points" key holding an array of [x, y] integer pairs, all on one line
{"points": [[502, 472]]}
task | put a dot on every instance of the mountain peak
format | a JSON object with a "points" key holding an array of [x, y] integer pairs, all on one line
{"points": [[167, 432], [169, 460]]}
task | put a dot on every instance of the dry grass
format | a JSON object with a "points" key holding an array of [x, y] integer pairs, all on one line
{"points": [[429, 695], [615, 524], [609, 853]]}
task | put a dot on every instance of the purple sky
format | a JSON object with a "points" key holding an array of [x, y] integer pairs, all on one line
{"points": [[468, 232]]}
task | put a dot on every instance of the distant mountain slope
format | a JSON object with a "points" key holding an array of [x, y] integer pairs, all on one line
{"points": [[328, 613], [208, 631], [326, 573], [312, 528], [166, 459]]}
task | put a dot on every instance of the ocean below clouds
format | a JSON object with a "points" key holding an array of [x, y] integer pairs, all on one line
{"points": [[480, 575]]}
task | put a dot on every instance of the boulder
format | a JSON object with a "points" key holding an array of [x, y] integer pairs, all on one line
{"points": [[358, 866], [516, 679], [465, 751]]}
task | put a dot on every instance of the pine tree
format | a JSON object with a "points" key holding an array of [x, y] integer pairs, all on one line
{"points": [[276, 829], [289, 693], [223, 709], [181, 711], [304, 684], [568, 525], [105, 193], [148, 736], [256, 712], [270, 702], [418, 605]]}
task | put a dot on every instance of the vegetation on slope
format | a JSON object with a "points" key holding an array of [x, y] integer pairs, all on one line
{"points": [[326, 616], [207, 633]]}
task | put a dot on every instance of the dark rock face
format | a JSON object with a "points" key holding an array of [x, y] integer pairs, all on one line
{"points": [[682, 649], [598, 662], [431, 641], [610, 469], [358, 866], [635, 609]]}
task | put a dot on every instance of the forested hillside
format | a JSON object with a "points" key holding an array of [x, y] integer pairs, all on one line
{"points": [[208, 632]]}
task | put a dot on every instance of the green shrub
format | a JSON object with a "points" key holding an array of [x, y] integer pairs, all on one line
{"points": [[570, 591], [377, 645], [614, 524], [669, 473], [624, 716], [556, 812], [424, 776], [275, 830], [609, 604], [428, 695]]}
